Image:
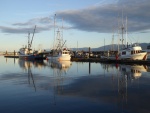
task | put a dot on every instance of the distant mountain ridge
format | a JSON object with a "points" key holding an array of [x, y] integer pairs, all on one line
{"points": [[108, 47]]}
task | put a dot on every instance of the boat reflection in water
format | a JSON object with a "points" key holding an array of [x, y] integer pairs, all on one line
{"points": [[129, 74], [52, 79], [119, 87], [62, 66], [60, 78], [27, 66], [133, 71], [107, 88]]}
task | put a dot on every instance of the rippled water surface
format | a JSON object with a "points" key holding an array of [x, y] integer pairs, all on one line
{"points": [[73, 87]]}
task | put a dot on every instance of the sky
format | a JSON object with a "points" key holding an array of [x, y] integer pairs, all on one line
{"points": [[86, 23]]}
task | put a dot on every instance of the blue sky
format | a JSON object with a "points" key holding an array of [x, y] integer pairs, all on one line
{"points": [[86, 22]]}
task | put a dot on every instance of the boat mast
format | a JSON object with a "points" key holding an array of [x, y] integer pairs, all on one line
{"points": [[113, 41], [77, 46], [122, 28], [118, 41], [118, 35], [104, 45], [29, 40], [62, 35], [126, 32], [54, 29], [63, 44]]}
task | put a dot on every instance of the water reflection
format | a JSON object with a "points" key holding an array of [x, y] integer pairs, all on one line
{"points": [[55, 79], [28, 66], [25, 64], [60, 69], [113, 88], [129, 92], [60, 65], [133, 71], [119, 87]]}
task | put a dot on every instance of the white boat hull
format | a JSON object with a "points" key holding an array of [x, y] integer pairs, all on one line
{"points": [[60, 58], [138, 56]]}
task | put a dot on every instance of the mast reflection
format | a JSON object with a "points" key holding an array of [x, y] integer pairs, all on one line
{"points": [[59, 69], [126, 75], [27, 66]]}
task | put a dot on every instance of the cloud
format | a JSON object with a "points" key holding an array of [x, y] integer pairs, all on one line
{"points": [[103, 18], [43, 24], [42, 20], [22, 30]]}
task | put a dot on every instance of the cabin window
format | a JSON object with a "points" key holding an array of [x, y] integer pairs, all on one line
{"points": [[124, 53], [148, 47], [132, 70], [124, 69], [64, 52], [133, 52]]}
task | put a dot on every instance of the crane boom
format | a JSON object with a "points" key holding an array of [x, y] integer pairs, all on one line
{"points": [[32, 37]]}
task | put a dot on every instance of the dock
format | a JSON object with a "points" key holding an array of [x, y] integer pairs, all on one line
{"points": [[140, 62], [96, 60], [11, 56]]}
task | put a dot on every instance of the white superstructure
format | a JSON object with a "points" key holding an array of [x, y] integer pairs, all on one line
{"points": [[133, 52]]}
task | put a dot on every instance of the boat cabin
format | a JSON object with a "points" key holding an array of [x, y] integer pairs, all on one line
{"points": [[65, 51], [134, 49]]}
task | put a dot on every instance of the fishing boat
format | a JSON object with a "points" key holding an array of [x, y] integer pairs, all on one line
{"points": [[133, 52], [27, 53], [61, 54], [59, 51]]}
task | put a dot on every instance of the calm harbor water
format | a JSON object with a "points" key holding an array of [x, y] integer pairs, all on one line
{"points": [[73, 87]]}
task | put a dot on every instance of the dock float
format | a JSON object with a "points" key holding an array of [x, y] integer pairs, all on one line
{"points": [[11, 56], [109, 61], [141, 62]]}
